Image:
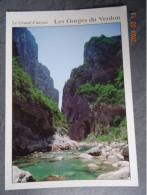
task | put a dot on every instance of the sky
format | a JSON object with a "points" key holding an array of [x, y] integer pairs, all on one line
{"points": [[61, 49]]}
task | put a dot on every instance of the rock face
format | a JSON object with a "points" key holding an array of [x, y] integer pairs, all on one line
{"points": [[101, 63], [102, 59], [20, 176], [32, 125], [26, 48], [33, 130]]}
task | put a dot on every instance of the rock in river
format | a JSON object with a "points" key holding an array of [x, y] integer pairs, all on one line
{"points": [[122, 173], [20, 176], [54, 178], [94, 151], [59, 158], [93, 166], [86, 156]]}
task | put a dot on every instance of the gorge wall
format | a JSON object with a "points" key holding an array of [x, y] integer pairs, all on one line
{"points": [[32, 127], [82, 105], [35, 114], [27, 51]]}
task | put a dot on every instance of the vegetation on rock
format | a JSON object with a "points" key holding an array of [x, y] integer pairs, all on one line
{"points": [[117, 131], [26, 48], [24, 88], [70, 80], [95, 92], [102, 38], [110, 93]]}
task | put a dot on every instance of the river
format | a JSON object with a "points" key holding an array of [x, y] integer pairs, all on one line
{"points": [[62, 165]]}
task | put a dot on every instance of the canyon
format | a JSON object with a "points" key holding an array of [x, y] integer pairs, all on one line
{"points": [[102, 59], [26, 48], [93, 107]]}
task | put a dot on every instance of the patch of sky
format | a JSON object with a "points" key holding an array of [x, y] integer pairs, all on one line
{"points": [[61, 49]]}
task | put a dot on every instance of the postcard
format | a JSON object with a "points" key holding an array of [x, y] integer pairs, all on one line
{"points": [[69, 109]]}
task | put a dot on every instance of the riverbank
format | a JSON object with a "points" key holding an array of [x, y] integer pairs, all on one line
{"points": [[90, 161], [115, 154]]}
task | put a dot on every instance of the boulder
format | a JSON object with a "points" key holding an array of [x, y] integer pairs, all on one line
{"points": [[108, 149], [63, 143], [86, 156], [102, 158], [123, 164], [93, 166], [121, 145], [100, 146], [125, 152], [120, 157], [105, 154], [113, 158], [113, 144], [59, 158], [115, 150], [96, 151], [107, 163], [123, 173], [54, 178], [20, 176]]}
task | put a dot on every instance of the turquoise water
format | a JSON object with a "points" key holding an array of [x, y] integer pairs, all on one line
{"points": [[64, 165]]}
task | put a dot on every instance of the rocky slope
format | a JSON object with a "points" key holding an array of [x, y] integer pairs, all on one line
{"points": [[102, 59], [26, 48]]}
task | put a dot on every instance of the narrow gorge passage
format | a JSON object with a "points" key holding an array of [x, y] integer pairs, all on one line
{"points": [[88, 137]]}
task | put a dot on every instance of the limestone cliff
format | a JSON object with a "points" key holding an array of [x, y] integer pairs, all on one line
{"points": [[37, 121], [32, 126], [36, 116], [84, 111], [33, 130], [26, 48]]}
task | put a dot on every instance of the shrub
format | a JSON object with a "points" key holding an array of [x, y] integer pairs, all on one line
{"points": [[118, 132], [119, 53], [117, 120]]}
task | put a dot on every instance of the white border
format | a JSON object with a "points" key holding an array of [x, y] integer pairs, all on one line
{"points": [[16, 19]]}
